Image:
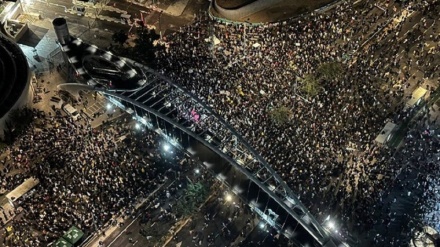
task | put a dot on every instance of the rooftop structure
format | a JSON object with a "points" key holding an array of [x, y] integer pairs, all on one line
{"points": [[14, 79]]}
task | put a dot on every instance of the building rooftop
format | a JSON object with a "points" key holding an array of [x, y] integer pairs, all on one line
{"points": [[13, 80]]}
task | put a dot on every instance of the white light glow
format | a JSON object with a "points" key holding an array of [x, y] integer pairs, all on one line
{"points": [[331, 224], [73, 59], [131, 73], [166, 147], [92, 49], [120, 63], [77, 42], [228, 198]]}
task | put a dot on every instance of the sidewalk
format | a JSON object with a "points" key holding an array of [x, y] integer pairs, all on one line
{"points": [[174, 9]]}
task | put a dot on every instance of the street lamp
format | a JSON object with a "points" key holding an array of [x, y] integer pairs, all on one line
{"points": [[228, 197], [331, 224], [166, 147]]}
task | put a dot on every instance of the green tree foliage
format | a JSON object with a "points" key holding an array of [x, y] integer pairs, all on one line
{"points": [[195, 194], [120, 37], [330, 71], [310, 85], [19, 121], [281, 115], [146, 46]]}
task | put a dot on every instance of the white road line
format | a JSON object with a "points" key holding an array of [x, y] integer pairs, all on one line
{"points": [[125, 229]]}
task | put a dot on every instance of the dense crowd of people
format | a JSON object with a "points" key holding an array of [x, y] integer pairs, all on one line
{"points": [[87, 176], [326, 153]]}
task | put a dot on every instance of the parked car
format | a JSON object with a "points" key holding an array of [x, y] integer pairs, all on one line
{"points": [[56, 102], [71, 111]]}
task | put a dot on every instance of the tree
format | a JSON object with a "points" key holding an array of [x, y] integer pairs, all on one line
{"points": [[146, 45], [120, 37], [194, 195], [281, 115], [330, 71], [19, 121], [310, 85]]}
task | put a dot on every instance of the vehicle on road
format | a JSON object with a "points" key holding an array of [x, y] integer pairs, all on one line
{"points": [[80, 10], [71, 111]]}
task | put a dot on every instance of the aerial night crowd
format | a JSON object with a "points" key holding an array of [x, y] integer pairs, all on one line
{"points": [[325, 152], [86, 176]]}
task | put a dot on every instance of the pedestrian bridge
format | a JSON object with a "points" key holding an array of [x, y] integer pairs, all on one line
{"points": [[186, 122]]}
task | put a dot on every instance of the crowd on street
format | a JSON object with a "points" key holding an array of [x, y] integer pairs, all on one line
{"points": [[326, 153], [87, 176]]}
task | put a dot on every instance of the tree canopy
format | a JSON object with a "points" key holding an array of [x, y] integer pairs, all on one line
{"points": [[146, 45], [120, 37], [281, 115], [310, 85], [330, 71], [194, 195]]}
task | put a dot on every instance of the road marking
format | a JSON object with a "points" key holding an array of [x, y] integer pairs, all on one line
{"points": [[125, 229]]}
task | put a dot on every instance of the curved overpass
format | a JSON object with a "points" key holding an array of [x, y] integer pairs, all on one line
{"points": [[180, 116]]}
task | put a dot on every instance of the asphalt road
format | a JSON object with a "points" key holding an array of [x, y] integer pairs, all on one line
{"points": [[51, 11]]}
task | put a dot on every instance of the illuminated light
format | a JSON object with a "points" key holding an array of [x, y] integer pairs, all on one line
{"points": [[261, 225], [92, 48], [131, 73], [166, 147], [137, 126], [77, 42], [228, 198], [331, 224], [197, 171], [108, 106], [173, 141], [120, 63]]}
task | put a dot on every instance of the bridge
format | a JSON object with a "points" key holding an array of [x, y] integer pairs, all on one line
{"points": [[186, 122]]}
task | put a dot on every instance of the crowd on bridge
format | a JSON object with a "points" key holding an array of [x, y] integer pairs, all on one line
{"points": [[86, 176], [326, 153]]}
